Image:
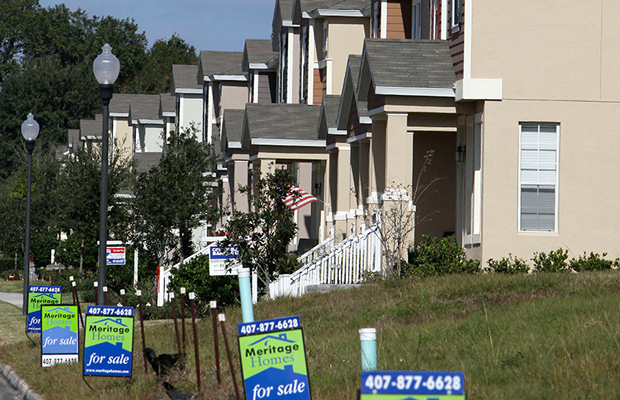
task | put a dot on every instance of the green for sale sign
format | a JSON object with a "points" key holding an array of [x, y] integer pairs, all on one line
{"points": [[38, 296], [273, 360], [108, 341], [59, 334]]}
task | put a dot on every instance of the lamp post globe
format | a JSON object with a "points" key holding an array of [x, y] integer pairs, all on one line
{"points": [[106, 68], [30, 131]]}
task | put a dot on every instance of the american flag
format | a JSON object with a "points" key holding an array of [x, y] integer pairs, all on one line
{"points": [[297, 198]]}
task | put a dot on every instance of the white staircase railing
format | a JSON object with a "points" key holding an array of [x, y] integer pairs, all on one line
{"points": [[345, 264], [318, 251], [165, 273]]}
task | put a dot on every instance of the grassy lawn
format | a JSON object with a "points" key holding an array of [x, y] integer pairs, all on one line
{"points": [[516, 337], [17, 286]]}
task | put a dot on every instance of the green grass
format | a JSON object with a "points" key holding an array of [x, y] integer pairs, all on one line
{"points": [[516, 337]]}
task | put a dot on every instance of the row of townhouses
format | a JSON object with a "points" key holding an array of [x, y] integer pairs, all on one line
{"points": [[516, 102]]}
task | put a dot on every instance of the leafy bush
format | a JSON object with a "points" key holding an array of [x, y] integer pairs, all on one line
{"points": [[8, 264], [510, 265], [555, 261], [593, 262], [194, 276], [439, 256]]}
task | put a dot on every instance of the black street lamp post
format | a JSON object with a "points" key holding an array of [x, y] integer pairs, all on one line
{"points": [[106, 68], [30, 131]]}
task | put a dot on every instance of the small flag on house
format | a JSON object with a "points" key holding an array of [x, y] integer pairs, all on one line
{"points": [[297, 198]]}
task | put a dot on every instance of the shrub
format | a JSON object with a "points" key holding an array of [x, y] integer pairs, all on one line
{"points": [[439, 256], [593, 262], [555, 261], [511, 265], [8, 264], [194, 276]]}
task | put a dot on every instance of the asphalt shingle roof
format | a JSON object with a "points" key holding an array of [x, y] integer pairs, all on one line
{"points": [[91, 127], [311, 5], [144, 106], [233, 124], [73, 138], [221, 62], [146, 160], [282, 121], [259, 50], [120, 102], [410, 63], [184, 77], [354, 63], [168, 103], [331, 104], [286, 9]]}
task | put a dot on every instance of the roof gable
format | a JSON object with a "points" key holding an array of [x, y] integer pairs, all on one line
{"points": [[403, 67], [280, 123], [184, 78], [257, 51], [220, 63]]}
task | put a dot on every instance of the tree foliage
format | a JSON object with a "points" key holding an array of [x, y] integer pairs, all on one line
{"points": [[175, 196], [263, 233], [46, 57]]}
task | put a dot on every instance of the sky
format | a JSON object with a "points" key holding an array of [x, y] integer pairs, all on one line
{"points": [[204, 24]]}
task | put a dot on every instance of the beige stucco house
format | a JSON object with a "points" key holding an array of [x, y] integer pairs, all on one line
{"points": [[260, 63], [224, 86], [329, 32]]}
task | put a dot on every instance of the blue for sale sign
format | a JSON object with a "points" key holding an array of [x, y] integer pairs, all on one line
{"points": [[38, 296]]}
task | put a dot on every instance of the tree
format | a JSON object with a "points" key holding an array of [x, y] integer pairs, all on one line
{"points": [[175, 196], [263, 233], [79, 196], [155, 76], [398, 217], [44, 230]]}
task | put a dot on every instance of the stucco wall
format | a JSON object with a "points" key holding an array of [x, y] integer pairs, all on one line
{"points": [[191, 112], [123, 137], [345, 36], [234, 96], [588, 171]]}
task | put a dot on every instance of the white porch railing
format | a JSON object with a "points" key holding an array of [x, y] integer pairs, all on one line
{"points": [[345, 264], [318, 251], [165, 273]]}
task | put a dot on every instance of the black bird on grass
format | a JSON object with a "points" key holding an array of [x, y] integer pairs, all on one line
{"points": [[163, 363], [174, 395]]}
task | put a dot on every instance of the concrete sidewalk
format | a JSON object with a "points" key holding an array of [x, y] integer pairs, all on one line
{"points": [[13, 298]]}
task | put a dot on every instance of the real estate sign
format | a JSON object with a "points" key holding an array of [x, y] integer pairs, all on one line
{"points": [[408, 385], [108, 341], [273, 359], [115, 256], [38, 296], [59, 334], [222, 262]]}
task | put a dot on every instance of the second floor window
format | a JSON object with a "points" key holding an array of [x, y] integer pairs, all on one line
{"points": [[456, 14], [416, 20], [325, 29]]}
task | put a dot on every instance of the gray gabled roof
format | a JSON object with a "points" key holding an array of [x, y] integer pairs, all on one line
{"points": [[354, 65], [286, 9], [91, 128], [232, 127], [144, 107], [330, 106], [422, 65], [324, 8], [257, 51], [167, 105], [280, 122], [119, 104], [220, 63], [184, 77], [146, 161], [73, 138]]}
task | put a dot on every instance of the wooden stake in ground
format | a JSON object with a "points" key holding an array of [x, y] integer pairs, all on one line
{"points": [[105, 295], [183, 316], [139, 294], [96, 285], [124, 302], [76, 300], [215, 343], [176, 327], [192, 295], [222, 318]]}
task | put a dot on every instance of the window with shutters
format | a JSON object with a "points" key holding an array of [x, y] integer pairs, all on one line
{"points": [[538, 177]]}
